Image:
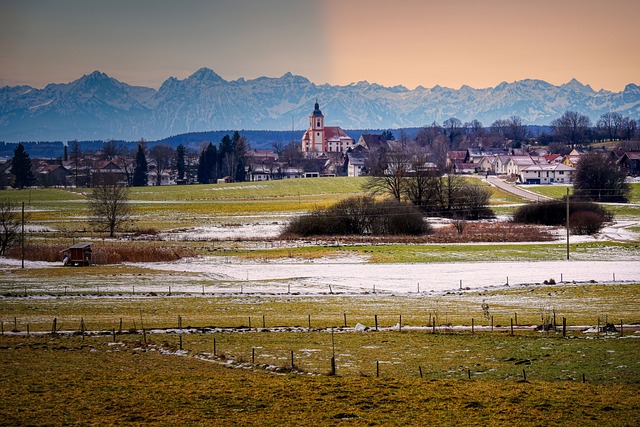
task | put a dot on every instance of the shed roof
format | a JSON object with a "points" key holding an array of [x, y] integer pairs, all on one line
{"points": [[80, 246]]}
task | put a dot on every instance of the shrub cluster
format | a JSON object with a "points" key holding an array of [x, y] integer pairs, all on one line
{"points": [[585, 217], [360, 216]]}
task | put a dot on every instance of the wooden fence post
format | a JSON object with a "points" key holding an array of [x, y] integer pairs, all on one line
{"points": [[376, 320], [377, 369], [472, 325], [511, 326]]}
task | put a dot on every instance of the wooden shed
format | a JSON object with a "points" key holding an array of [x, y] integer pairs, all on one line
{"points": [[78, 254]]}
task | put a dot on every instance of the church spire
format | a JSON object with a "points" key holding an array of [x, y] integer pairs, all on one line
{"points": [[316, 110]]}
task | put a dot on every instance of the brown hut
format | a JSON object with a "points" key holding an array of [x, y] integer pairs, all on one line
{"points": [[78, 254]]}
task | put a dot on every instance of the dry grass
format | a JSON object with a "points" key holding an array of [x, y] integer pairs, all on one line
{"points": [[49, 381], [112, 252]]}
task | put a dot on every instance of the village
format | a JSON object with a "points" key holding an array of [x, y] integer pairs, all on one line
{"points": [[329, 151]]}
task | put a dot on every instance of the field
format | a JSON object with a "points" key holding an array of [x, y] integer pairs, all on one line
{"points": [[242, 330]]}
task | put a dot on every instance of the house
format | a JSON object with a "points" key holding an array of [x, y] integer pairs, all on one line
{"points": [[464, 168], [630, 163], [546, 174], [516, 163], [373, 142], [487, 164], [553, 158], [319, 139], [107, 171], [477, 154], [356, 159], [258, 173], [53, 176], [571, 160]]}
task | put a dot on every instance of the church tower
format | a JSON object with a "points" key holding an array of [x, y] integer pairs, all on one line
{"points": [[316, 126]]}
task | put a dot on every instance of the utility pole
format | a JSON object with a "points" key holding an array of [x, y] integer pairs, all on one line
{"points": [[567, 223], [22, 235]]}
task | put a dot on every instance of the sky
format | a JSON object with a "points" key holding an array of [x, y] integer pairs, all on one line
{"points": [[479, 43]]}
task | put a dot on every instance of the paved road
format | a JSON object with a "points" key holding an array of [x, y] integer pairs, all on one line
{"points": [[510, 188]]}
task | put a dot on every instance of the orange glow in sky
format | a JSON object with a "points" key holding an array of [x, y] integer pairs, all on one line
{"points": [[479, 43], [482, 43]]}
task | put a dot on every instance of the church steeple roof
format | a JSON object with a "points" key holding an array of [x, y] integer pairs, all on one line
{"points": [[316, 110]]}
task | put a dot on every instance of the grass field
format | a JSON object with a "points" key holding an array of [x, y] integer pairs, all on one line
{"points": [[73, 382], [559, 191], [169, 207], [468, 378]]}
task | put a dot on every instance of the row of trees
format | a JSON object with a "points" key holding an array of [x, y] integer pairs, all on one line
{"points": [[572, 128], [409, 174], [227, 160]]}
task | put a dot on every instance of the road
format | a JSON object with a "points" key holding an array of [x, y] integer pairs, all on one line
{"points": [[510, 188]]}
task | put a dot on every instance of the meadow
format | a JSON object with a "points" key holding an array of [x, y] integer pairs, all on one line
{"points": [[73, 351]]}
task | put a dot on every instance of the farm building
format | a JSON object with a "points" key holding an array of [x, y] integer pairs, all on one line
{"points": [[78, 254]]}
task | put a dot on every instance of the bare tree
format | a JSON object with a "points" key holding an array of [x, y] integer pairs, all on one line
{"points": [[393, 179], [517, 131], [453, 129], [126, 161], [111, 149], [427, 135], [76, 158], [571, 128], [109, 206], [607, 125], [162, 155], [9, 225]]}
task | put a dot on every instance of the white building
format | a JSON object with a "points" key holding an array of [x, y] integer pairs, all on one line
{"points": [[547, 174], [321, 139]]}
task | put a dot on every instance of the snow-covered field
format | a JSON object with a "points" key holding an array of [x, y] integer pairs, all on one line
{"points": [[355, 276]]}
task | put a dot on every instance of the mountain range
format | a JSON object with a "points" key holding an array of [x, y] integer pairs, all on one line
{"points": [[99, 107]]}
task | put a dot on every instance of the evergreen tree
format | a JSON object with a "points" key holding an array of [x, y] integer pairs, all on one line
{"points": [[203, 172], [66, 154], [224, 153], [207, 165], [241, 146], [21, 168], [211, 162], [141, 169], [180, 166]]}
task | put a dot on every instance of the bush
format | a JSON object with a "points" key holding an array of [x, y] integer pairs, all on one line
{"points": [[585, 223], [361, 216], [554, 212]]}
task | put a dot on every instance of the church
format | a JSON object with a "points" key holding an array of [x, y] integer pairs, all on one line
{"points": [[321, 139]]}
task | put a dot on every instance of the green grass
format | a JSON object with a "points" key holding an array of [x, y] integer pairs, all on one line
{"points": [[559, 191], [412, 253], [553, 191]]}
